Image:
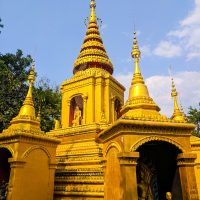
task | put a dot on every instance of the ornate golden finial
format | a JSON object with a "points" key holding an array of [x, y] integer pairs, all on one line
{"points": [[135, 52], [26, 119], [31, 77], [139, 104], [93, 53], [178, 115], [136, 56], [92, 4]]}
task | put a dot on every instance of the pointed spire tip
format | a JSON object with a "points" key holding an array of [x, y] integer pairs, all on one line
{"points": [[31, 77], [136, 51], [92, 4]]}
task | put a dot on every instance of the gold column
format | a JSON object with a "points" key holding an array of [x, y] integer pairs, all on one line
{"points": [[52, 169], [186, 162], [128, 162], [67, 115], [85, 97], [15, 168], [107, 101], [113, 108]]}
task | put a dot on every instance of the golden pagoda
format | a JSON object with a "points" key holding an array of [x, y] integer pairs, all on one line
{"points": [[108, 150]]}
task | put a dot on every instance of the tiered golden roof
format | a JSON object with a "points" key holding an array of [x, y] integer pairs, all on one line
{"points": [[93, 53], [139, 104], [178, 115], [26, 119]]}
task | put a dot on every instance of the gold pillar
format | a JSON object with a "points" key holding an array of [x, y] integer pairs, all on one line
{"points": [[52, 169], [186, 162], [67, 114], [84, 108], [107, 101], [113, 109], [15, 170], [128, 162]]}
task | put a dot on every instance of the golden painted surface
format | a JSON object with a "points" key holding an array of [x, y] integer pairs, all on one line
{"points": [[100, 136]]}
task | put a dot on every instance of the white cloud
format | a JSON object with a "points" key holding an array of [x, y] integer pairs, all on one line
{"points": [[167, 49], [187, 84], [187, 35]]}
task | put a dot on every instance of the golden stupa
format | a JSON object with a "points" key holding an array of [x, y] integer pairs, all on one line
{"points": [[108, 150]]}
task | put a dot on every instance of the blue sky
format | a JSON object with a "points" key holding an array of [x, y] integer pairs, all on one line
{"points": [[168, 33]]}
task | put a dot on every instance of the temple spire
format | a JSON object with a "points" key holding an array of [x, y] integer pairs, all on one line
{"points": [[136, 54], [93, 53], [26, 119], [28, 105], [139, 104], [178, 115], [138, 88], [92, 14]]}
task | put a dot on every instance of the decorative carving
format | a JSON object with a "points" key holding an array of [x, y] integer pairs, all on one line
{"points": [[156, 138], [103, 118], [113, 144], [27, 152]]}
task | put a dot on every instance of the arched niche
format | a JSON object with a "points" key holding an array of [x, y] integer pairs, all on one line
{"points": [[5, 154], [157, 170], [76, 111], [117, 108]]}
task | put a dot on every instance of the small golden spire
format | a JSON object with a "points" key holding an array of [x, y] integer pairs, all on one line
{"points": [[31, 80], [137, 77], [28, 106], [93, 53], [138, 87], [26, 119], [139, 104], [178, 115]]}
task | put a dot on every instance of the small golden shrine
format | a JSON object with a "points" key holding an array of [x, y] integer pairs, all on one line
{"points": [[27, 155]]}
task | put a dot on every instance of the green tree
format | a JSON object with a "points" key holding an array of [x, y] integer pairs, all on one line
{"points": [[13, 75], [48, 100], [193, 116], [14, 69]]}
